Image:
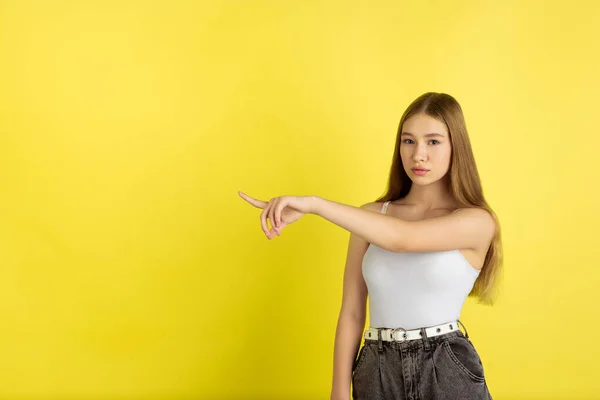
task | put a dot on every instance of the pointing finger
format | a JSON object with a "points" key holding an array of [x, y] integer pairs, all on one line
{"points": [[256, 203]]}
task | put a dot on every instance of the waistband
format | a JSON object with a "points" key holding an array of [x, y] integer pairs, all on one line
{"points": [[402, 335]]}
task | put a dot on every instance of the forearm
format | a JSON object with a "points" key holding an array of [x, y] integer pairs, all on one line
{"points": [[347, 341], [381, 230]]}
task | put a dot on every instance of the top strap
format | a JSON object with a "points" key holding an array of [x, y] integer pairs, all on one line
{"points": [[384, 207]]}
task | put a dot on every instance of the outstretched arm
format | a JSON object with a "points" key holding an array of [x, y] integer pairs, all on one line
{"points": [[463, 229], [466, 228]]}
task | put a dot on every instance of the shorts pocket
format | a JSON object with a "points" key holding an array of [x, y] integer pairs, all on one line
{"points": [[359, 359], [465, 357]]}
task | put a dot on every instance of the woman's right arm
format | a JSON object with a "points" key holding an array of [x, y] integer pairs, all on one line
{"points": [[351, 321]]}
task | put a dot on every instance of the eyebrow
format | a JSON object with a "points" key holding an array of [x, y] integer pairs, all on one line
{"points": [[427, 135]]}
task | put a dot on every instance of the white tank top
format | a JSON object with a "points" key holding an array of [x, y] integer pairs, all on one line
{"points": [[417, 289]]}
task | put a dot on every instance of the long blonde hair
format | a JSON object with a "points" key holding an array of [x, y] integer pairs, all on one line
{"points": [[464, 182]]}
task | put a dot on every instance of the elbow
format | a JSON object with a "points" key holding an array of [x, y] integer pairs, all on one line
{"points": [[396, 239], [357, 315]]}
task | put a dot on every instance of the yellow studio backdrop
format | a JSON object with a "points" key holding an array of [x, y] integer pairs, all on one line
{"points": [[131, 269]]}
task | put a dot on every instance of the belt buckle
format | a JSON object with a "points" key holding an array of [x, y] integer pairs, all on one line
{"points": [[394, 330]]}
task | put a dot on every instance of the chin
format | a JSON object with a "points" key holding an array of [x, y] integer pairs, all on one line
{"points": [[421, 182], [424, 180]]}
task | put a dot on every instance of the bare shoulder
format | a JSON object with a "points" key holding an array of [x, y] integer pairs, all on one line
{"points": [[479, 217], [474, 212]]}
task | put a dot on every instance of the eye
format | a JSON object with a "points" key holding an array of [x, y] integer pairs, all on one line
{"points": [[406, 140], [433, 140]]}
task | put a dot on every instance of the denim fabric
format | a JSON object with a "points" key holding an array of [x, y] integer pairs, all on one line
{"points": [[441, 367]]}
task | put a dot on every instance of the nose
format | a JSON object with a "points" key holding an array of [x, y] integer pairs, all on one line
{"points": [[420, 153]]}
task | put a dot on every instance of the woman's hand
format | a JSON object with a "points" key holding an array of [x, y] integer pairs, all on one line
{"points": [[280, 211]]}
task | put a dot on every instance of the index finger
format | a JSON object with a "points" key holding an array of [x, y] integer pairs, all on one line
{"points": [[256, 203]]}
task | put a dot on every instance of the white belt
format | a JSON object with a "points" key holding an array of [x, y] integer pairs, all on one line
{"points": [[401, 335]]}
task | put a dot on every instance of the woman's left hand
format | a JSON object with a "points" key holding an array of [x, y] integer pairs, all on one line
{"points": [[280, 211]]}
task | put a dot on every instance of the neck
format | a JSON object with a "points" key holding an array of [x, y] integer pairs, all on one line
{"points": [[433, 196]]}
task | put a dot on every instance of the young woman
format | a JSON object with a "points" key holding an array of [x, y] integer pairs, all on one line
{"points": [[417, 252]]}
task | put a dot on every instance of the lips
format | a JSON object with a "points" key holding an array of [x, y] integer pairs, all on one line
{"points": [[420, 171]]}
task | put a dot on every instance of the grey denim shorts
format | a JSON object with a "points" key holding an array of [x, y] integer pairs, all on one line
{"points": [[441, 367]]}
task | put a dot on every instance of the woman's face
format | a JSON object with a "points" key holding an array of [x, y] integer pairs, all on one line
{"points": [[425, 144]]}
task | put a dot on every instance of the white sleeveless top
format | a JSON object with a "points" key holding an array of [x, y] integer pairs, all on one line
{"points": [[417, 289]]}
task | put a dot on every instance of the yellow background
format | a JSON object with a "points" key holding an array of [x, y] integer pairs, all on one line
{"points": [[130, 268]]}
